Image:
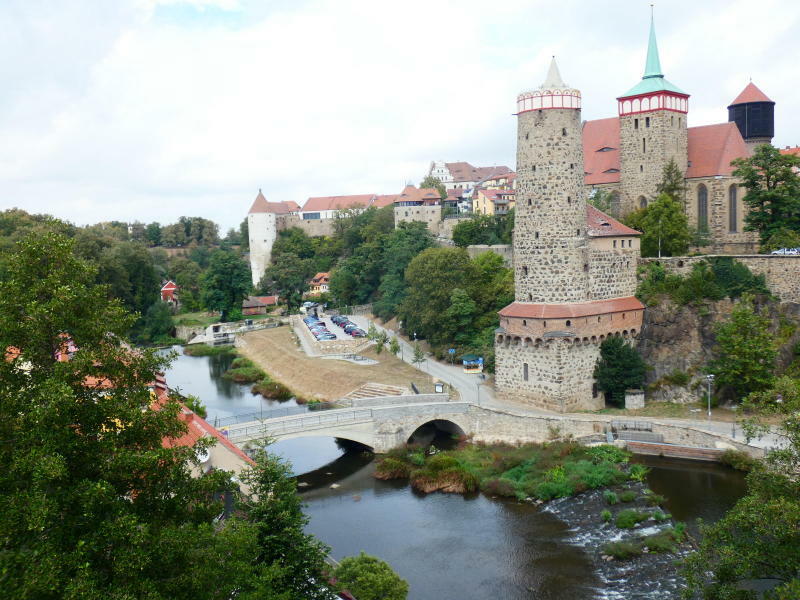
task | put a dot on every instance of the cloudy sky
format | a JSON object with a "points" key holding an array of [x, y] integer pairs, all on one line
{"points": [[151, 109]]}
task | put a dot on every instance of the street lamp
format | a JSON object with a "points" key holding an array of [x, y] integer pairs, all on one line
{"points": [[710, 379]]}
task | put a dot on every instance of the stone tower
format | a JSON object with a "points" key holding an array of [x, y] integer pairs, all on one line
{"points": [[653, 131], [548, 342], [550, 219]]}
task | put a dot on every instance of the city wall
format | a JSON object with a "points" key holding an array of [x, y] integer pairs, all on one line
{"points": [[312, 227]]}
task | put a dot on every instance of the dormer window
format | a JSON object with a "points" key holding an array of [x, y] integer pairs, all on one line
{"points": [[605, 149]]}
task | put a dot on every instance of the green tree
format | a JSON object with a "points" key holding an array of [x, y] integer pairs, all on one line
{"points": [[746, 354], [394, 346], [781, 238], [153, 234], [773, 191], [157, 323], [244, 235], [601, 200], [92, 503], [225, 284], [664, 226], [287, 277], [619, 368], [435, 183], [380, 341], [672, 182], [276, 508], [419, 355], [458, 318], [759, 538], [369, 578]]}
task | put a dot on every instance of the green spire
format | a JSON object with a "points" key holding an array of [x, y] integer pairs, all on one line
{"points": [[652, 67]]}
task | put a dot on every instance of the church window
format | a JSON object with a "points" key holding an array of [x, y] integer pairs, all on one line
{"points": [[647, 121], [564, 131], [525, 371], [702, 207], [732, 206], [636, 123]]}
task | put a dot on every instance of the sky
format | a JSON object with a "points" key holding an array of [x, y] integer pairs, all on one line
{"points": [[152, 109]]}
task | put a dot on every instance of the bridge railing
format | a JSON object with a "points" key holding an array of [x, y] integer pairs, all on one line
{"points": [[273, 413], [300, 423]]}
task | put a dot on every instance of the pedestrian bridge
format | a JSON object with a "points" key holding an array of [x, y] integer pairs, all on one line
{"points": [[381, 428]]}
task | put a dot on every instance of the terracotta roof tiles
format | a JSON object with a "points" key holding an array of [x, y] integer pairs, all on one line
{"points": [[320, 203], [578, 309], [601, 151], [260, 205], [599, 224], [712, 148], [751, 93]]}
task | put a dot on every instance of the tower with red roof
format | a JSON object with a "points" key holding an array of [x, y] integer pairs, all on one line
{"points": [[262, 226], [754, 115], [574, 269], [653, 130]]}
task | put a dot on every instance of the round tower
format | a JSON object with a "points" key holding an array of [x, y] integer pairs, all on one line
{"points": [[550, 215], [754, 115]]}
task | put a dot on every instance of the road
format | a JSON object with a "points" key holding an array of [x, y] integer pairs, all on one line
{"points": [[471, 389]]}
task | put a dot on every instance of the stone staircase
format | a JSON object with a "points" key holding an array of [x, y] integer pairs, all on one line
{"points": [[374, 390]]}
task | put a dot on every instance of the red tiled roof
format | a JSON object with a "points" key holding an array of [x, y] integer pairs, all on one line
{"points": [[510, 176], [563, 311], [495, 195], [414, 194], [197, 428], [170, 285], [597, 135], [463, 171], [382, 200], [267, 300], [321, 278], [794, 151], [751, 93], [260, 205], [599, 224], [319, 203], [712, 148]]}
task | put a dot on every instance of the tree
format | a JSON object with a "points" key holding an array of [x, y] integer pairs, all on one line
{"points": [[672, 182], [419, 355], [434, 182], [458, 318], [226, 283], [92, 504], [664, 226], [773, 190], [619, 368], [369, 578], [781, 238], [601, 200], [288, 278], [276, 508], [759, 538], [394, 346], [380, 341], [746, 354], [153, 234]]}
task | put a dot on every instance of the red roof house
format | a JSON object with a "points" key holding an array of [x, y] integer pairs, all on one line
{"points": [[169, 292]]}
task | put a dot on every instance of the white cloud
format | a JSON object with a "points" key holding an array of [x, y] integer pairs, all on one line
{"points": [[141, 113]]}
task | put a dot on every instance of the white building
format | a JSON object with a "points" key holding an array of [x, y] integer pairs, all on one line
{"points": [[263, 231]]}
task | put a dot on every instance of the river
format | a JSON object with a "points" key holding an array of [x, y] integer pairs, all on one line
{"points": [[447, 546]]}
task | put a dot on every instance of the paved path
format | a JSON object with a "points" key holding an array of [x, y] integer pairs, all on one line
{"points": [[472, 389]]}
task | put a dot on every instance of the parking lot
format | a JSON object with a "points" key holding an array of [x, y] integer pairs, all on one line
{"points": [[332, 328]]}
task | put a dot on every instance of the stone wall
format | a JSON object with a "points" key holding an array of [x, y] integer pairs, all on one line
{"points": [[612, 269], [555, 374], [312, 227], [447, 225], [782, 273], [723, 240], [430, 215], [504, 250], [642, 164]]}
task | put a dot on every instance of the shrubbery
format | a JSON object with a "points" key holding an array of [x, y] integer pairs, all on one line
{"points": [[629, 518]]}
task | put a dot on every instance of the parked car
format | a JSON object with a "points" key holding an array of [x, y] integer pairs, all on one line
{"points": [[790, 251], [326, 337], [358, 333]]}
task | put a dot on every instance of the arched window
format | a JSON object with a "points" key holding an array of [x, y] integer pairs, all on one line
{"points": [[732, 212], [642, 202], [702, 207]]}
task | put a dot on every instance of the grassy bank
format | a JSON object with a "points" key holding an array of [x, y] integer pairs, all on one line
{"points": [[206, 350], [542, 471]]}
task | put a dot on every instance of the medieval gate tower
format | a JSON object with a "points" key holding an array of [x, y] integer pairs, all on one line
{"points": [[566, 298]]}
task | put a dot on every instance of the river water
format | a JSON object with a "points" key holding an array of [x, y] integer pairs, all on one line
{"points": [[447, 546]]}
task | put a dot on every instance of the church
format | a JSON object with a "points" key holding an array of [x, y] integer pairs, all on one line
{"points": [[626, 154]]}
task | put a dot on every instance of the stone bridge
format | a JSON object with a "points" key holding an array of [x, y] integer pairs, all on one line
{"points": [[381, 427], [387, 426]]}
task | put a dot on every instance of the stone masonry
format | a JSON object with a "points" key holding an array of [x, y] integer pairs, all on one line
{"points": [[648, 141]]}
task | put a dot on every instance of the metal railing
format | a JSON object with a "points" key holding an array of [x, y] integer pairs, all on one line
{"points": [[300, 423], [272, 413]]}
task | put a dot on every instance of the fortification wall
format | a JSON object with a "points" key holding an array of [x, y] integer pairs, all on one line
{"points": [[312, 227], [447, 225], [782, 273], [612, 271], [504, 250]]}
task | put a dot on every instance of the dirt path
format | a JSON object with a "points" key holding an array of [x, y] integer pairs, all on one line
{"points": [[277, 352]]}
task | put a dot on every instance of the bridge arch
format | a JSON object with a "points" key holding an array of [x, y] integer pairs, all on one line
{"points": [[447, 425]]}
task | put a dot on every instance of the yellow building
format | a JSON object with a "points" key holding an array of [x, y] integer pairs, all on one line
{"points": [[494, 202]]}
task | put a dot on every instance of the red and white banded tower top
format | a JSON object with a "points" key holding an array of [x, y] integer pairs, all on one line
{"points": [[553, 93]]}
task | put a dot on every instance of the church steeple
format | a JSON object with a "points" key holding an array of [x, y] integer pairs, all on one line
{"points": [[652, 67]]}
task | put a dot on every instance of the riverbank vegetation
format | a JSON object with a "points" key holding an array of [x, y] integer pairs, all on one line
{"points": [[206, 350], [542, 471]]}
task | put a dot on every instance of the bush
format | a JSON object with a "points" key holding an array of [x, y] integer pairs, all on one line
{"points": [[611, 497], [628, 496], [392, 468], [206, 350], [591, 476], [622, 550], [606, 516], [638, 473], [244, 374], [499, 486], [654, 499], [660, 516], [677, 378], [369, 578], [741, 461], [274, 390], [629, 518], [608, 453]]}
